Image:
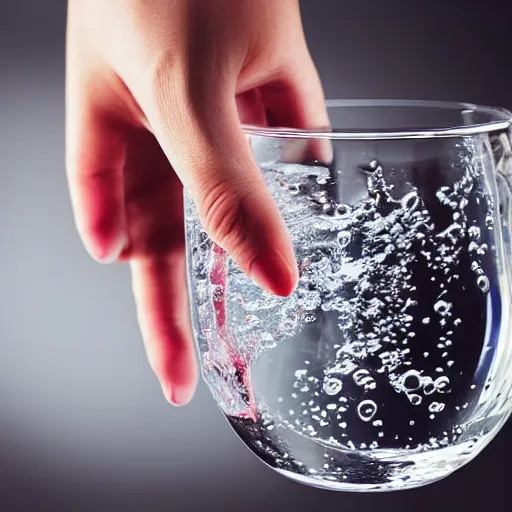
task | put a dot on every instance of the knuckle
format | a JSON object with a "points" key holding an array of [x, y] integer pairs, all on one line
{"points": [[226, 217]]}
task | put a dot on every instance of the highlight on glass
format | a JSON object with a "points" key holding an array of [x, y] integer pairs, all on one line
{"points": [[390, 366]]}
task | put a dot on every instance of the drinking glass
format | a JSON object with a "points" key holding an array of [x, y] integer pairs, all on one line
{"points": [[389, 367]]}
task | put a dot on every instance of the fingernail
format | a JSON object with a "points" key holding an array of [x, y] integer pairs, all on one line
{"points": [[177, 395], [180, 396], [273, 273]]}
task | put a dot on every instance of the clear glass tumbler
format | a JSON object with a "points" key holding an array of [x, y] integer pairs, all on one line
{"points": [[390, 366]]}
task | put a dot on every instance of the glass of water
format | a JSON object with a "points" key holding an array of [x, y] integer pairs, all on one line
{"points": [[390, 366]]}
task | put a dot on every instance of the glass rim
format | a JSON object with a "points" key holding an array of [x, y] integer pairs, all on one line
{"points": [[500, 119]]}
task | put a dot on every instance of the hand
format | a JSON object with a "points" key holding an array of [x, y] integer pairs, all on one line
{"points": [[156, 91]]}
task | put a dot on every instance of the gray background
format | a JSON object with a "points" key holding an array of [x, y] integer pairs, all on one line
{"points": [[83, 425]]}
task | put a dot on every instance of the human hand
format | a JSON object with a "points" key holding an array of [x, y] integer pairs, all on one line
{"points": [[156, 92]]}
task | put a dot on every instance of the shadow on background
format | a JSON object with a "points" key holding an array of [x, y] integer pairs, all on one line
{"points": [[482, 484]]}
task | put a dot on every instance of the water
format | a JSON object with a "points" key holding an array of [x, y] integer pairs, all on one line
{"points": [[381, 358]]}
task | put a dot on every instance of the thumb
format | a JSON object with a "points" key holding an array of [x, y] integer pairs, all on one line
{"points": [[210, 154]]}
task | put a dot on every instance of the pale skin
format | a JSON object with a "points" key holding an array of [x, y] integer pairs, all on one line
{"points": [[156, 94]]}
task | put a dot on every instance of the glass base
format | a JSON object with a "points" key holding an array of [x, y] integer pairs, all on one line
{"points": [[347, 487], [320, 464], [408, 472]]}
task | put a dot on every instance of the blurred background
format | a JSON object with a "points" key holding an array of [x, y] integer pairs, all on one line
{"points": [[83, 425]]}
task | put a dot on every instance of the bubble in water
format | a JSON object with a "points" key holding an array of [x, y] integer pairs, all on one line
{"points": [[474, 232], [442, 307], [367, 410], [473, 247], [415, 399], [483, 283], [411, 380], [442, 384], [343, 238], [436, 407], [343, 209], [363, 378], [475, 266], [293, 189], [327, 209], [332, 386], [428, 385]]}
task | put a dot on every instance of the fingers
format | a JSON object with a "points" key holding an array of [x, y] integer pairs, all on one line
{"points": [[95, 158], [210, 153], [156, 251], [160, 292]]}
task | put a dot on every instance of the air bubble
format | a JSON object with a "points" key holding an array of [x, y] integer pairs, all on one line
{"points": [[363, 378], [442, 384], [415, 399], [343, 209], [442, 307], [367, 410], [344, 238], [483, 283], [436, 407], [428, 385], [293, 190], [332, 386], [411, 380], [474, 232], [327, 209]]}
